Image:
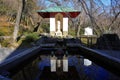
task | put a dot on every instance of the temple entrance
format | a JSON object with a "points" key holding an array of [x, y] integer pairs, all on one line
{"points": [[59, 25]]}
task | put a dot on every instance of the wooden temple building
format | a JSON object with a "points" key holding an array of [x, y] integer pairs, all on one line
{"points": [[59, 19]]}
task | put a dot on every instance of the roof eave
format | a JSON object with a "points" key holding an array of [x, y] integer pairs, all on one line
{"points": [[65, 14]]}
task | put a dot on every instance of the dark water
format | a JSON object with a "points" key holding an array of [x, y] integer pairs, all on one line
{"points": [[92, 72]]}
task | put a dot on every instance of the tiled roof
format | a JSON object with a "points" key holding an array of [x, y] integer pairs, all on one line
{"points": [[58, 9]]}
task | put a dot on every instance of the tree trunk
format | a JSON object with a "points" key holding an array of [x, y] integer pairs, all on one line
{"points": [[32, 21], [18, 18], [78, 31]]}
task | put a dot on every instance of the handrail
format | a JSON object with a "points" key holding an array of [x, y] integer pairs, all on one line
{"points": [[108, 62], [10, 63]]}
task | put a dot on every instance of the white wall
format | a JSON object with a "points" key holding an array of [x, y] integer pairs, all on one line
{"points": [[52, 24], [65, 24], [88, 31]]}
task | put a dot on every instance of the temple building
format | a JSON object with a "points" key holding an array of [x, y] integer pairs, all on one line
{"points": [[59, 19]]}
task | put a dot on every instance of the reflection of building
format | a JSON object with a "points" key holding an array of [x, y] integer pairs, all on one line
{"points": [[58, 19], [87, 62]]}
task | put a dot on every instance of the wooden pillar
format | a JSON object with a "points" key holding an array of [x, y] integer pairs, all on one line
{"points": [[90, 41], [87, 41]]}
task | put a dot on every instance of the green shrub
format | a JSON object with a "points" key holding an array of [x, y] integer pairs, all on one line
{"points": [[5, 43], [72, 32], [45, 27], [31, 37], [6, 31], [1, 33]]}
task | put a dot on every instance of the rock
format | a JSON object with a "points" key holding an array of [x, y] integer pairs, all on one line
{"points": [[4, 53]]}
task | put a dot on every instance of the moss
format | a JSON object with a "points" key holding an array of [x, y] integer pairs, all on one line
{"points": [[72, 32], [6, 31], [1, 33], [5, 43]]}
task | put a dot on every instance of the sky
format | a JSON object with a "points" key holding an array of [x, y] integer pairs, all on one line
{"points": [[106, 2], [47, 3]]}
